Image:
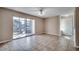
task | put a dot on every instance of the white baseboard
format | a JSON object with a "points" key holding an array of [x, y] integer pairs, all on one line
{"points": [[53, 34], [5, 41], [38, 34], [76, 46]]}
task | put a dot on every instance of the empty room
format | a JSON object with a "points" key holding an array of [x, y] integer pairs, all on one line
{"points": [[39, 28]]}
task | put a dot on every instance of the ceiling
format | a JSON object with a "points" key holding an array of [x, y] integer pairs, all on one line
{"points": [[47, 11]]}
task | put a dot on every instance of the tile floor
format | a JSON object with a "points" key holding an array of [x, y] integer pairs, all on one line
{"points": [[39, 43]]}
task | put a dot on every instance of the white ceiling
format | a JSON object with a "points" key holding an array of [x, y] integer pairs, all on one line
{"points": [[48, 11]]}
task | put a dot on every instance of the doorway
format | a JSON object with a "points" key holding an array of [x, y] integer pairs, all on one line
{"points": [[67, 26]]}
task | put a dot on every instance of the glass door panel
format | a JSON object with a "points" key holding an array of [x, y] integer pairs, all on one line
{"points": [[29, 27], [16, 27], [23, 25]]}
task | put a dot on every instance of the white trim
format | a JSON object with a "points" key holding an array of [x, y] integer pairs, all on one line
{"points": [[74, 30], [5, 41], [76, 46], [52, 34]]}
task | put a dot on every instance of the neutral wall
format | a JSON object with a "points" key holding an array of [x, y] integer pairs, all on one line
{"points": [[6, 23], [39, 25], [52, 25], [5, 26]]}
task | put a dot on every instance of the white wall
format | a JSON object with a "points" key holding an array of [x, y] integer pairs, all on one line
{"points": [[52, 25]]}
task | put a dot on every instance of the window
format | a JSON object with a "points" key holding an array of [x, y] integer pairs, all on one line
{"points": [[22, 27]]}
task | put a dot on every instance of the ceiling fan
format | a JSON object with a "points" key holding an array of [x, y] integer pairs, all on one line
{"points": [[39, 10]]}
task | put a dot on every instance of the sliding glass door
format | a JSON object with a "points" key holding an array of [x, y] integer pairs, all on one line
{"points": [[23, 27], [29, 27], [16, 27]]}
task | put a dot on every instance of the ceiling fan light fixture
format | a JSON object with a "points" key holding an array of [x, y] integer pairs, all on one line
{"points": [[41, 12]]}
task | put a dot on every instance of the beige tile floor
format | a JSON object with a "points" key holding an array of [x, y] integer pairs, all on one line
{"points": [[39, 43]]}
